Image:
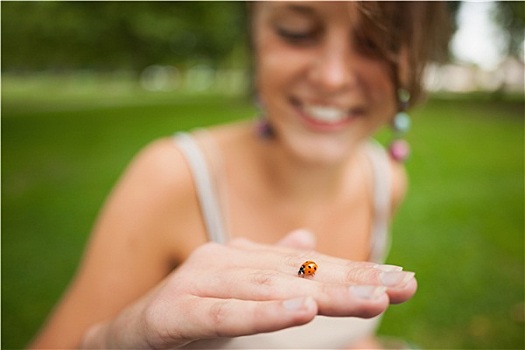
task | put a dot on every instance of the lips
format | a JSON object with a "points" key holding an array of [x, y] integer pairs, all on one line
{"points": [[325, 116]]}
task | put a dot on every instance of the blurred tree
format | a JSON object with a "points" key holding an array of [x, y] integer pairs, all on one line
{"points": [[63, 35], [109, 35], [510, 16]]}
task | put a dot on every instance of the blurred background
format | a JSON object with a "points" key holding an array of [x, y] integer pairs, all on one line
{"points": [[85, 85]]}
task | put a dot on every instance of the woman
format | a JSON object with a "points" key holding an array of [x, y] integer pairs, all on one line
{"points": [[328, 76]]}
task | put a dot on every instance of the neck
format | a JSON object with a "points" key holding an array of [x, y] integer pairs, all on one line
{"points": [[307, 182]]}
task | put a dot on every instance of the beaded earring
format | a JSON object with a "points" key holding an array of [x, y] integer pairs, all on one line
{"points": [[399, 148], [262, 126]]}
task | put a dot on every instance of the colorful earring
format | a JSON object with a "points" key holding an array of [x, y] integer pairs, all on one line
{"points": [[262, 126], [399, 148]]}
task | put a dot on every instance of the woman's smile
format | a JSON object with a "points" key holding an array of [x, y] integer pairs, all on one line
{"points": [[325, 117]]}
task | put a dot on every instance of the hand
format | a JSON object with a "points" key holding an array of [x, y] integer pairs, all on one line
{"points": [[246, 288]]}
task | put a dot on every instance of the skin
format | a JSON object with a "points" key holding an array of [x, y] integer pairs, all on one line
{"points": [[323, 66], [146, 280]]}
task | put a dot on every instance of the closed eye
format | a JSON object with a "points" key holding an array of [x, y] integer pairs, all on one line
{"points": [[298, 37]]}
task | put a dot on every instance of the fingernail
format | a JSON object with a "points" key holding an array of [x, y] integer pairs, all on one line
{"points": [[294, 304], [368, 292], [388, 268], [395, 278]]}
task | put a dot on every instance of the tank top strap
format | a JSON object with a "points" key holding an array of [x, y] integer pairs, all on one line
{"points": [[206, 191], [211, 206], [382, 192]]}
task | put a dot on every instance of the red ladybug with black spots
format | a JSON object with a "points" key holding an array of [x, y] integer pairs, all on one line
{"points": [[308, 268]]}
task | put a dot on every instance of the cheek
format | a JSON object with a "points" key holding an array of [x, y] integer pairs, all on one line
{"points": [[380, 91], [277, 66], [272, 72]]}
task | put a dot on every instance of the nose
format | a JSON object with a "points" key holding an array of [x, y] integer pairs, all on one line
{"points": [[332, 69]]}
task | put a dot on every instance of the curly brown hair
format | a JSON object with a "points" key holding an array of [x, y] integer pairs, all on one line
{"points": [[417, 32]]}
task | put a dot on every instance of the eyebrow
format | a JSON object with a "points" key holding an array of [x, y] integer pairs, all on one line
{"points": [[300, 8]]}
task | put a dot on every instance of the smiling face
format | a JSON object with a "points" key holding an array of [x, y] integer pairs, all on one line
{"points": [[322, 90]]}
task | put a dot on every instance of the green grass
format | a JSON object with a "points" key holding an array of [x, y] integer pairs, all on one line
{"points": [[461, 228]]}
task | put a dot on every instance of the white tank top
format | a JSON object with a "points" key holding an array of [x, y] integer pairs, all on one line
{"points": [[322, 332]]}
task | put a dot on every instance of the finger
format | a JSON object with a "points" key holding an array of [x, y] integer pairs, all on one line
{"points": [[214, 318], [299, 239], [401, 285], [295, 256], [261, 285], [404, 293]]}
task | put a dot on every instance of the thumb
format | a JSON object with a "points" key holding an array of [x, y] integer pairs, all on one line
{"points": [[300, 239]]}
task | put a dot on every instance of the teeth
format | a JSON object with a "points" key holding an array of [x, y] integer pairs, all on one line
{"points": [[326, 114]]}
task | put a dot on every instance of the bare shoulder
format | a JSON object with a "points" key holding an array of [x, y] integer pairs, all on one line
{"points": [[162, 164], [160, 174], [153, 206], [158, 178], [399, 183], [159, 184], [145, 222]]}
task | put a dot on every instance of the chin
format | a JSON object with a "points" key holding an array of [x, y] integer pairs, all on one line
{"points": [[321, 151]]}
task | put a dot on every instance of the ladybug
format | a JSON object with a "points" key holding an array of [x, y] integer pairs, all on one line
{"points": [[308, 268]]}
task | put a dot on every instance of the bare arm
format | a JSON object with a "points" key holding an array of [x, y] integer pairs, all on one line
{"points": [[129, 251]]}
